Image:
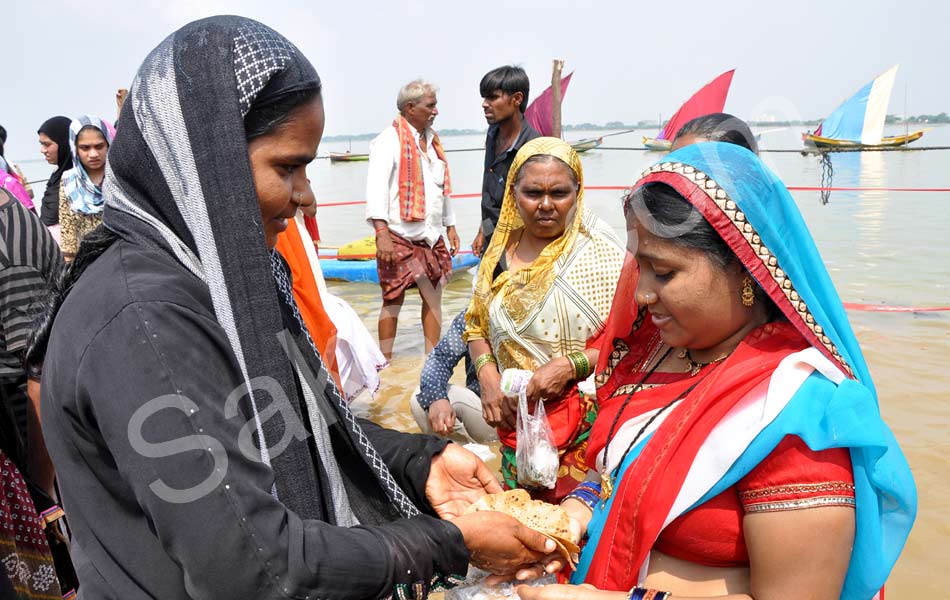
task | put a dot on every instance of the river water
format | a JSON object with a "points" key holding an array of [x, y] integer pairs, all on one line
{"points": [[880, 248]]}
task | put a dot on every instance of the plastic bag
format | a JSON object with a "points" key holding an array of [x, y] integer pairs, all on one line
{"points": [[474, 587], [535, 454]]}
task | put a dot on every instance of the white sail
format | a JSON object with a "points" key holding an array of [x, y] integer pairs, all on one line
{"points": [[876, 111]]}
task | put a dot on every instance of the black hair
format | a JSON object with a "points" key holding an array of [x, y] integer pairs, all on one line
{"points": [[508, 79], [268, 114], [3, 138], [720, 127], [675, 219], [665, 213]]}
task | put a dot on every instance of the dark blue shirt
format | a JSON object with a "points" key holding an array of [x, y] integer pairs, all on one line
{"points": [[496, 174]]}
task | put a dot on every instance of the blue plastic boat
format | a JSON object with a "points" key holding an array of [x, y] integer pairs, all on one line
{"points": [[365, 270]]}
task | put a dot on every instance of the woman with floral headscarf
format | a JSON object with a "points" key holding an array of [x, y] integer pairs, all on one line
{"points": [[543, 293]]}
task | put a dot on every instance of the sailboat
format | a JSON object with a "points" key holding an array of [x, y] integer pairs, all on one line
{"points": [[348, 156], [859, 121], [711, 98], [539, 113]]}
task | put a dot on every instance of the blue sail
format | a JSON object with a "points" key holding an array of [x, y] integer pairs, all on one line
{"points": [[861, 117], [847, 122]]}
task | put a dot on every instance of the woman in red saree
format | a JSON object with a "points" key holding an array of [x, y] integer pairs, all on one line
{"points": [[739, 448]]}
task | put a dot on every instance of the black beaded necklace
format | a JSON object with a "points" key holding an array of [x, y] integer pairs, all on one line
{"points": [[607, 478]]}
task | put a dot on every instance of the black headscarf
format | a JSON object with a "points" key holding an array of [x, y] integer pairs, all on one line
{"points": [[179, 179], [57, 129]]}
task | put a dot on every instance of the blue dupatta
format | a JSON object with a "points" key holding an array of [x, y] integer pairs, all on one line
{"points": [[755, 214]]}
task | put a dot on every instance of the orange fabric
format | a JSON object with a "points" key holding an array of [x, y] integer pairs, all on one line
{"points": [[412, 190], [290, 244], [712, 534]]}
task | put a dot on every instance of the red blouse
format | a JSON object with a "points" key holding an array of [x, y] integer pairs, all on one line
{"points": [[792, 477]]}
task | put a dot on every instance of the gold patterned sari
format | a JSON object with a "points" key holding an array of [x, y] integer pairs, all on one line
{"points": [[552, 307]]}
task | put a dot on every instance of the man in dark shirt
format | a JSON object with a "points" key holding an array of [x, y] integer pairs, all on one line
{"points": [[504, 99]]}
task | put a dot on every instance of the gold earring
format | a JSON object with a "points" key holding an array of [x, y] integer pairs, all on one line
{"points": [[748, 292]]}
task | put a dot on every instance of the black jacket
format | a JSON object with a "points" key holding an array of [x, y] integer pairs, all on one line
{"points": [[134, 389]]}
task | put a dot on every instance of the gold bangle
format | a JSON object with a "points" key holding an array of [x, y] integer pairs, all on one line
{"points": [[483, 360]]}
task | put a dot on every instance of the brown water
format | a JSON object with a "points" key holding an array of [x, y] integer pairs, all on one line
{"points": [[880, 247]]}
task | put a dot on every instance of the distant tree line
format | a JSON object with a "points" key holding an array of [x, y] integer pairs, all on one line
{"points": [[940, 118]]}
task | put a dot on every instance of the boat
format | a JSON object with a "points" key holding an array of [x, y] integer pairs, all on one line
{"points": [[538, 113], [858, 123], [657, 144], [361, 268], [711, 98], [347, 157], [585, 145], [892, 141]]}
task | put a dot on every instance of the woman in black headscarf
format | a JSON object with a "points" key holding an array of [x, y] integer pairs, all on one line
{"points": [[54, 145], [201, 448]]}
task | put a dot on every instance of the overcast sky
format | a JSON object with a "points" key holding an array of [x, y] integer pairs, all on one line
{"points": [[633, 59]]}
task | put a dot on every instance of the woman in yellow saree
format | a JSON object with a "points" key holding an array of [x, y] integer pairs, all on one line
{"points": [[543, 293]]}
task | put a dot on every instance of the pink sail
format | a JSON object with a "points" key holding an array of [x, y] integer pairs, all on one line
{"points": [[540, 111], [708, 100]]}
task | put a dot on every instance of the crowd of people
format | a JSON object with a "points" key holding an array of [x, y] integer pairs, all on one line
{"points": [[176, 375]]}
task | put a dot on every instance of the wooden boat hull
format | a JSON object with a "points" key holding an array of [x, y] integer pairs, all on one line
{"points": [[888, 142], [655, 144], [347, 157], [365, 270], [585, 145]]}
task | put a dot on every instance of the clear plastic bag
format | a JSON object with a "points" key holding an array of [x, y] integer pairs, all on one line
{"points": [[536, 455], [475, 588]]}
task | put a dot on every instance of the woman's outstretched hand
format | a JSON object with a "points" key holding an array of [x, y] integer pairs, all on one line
{"points": [[500, 544], [457, 478], [566, 592], [551, 564]]}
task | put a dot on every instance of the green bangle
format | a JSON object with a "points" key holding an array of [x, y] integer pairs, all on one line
{"points": [[483, 360], [580, 363]]}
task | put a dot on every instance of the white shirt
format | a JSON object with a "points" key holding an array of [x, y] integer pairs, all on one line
{"points": [[382, 188]]}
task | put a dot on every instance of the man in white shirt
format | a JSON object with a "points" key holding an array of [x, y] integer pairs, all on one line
{"points": [[407, 203]]}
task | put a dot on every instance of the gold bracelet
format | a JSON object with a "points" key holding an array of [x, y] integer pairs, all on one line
{"points": [[483, 360]]}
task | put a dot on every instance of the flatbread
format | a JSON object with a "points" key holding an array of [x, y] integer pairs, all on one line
{"points": [[549, 519]]}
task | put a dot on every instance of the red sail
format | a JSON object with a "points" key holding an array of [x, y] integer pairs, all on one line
{"points": [[540, 111], [710, 99]]}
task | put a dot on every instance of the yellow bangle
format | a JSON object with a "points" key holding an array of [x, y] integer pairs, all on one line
{"points": [[483, 360]]}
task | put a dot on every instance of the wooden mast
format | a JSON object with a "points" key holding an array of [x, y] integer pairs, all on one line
{"points": [[556, 98]]}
